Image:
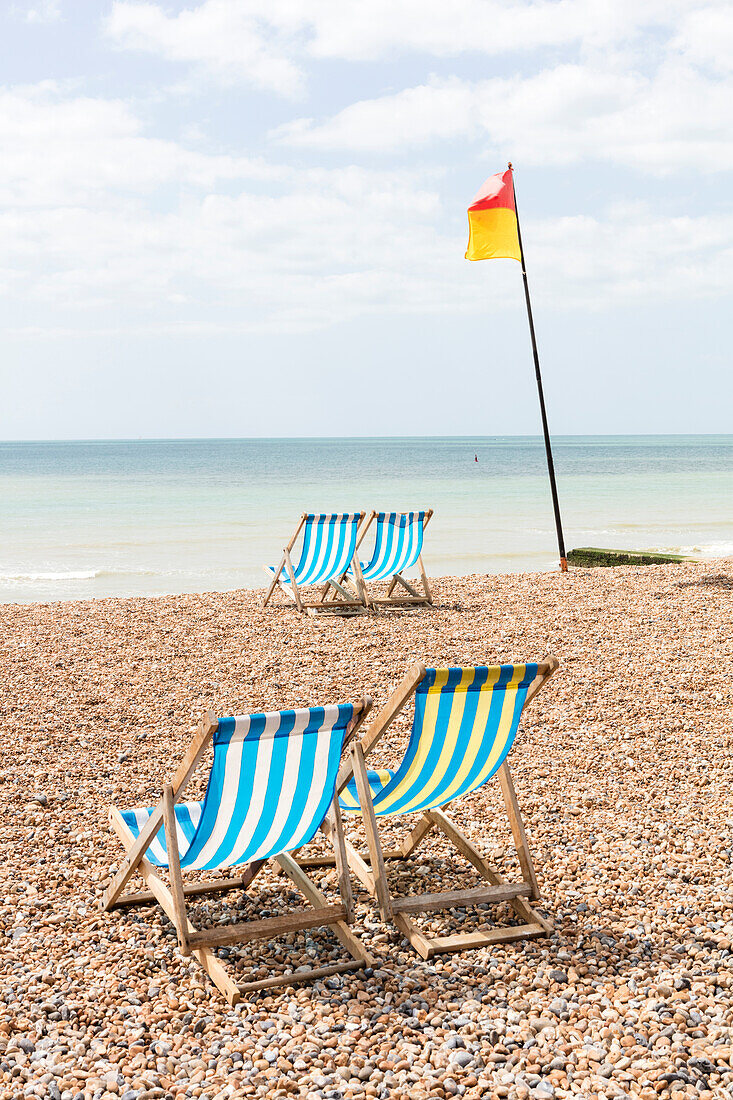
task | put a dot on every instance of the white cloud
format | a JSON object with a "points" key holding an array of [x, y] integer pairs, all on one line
{"points": [[238, 43], [104, 226], [61, 150], [706, 37], [48, 11], [633, 84], [676, 118], [329, 246], [358, 31], [228, 37]]}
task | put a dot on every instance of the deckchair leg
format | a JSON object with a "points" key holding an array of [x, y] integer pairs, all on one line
{"points": [[283, 561], [426, 946], [163, 896], [203, 953], [361, 587], [413, 596], [415, 838], [174, 868], [300, 879], [372, 834], [520, 837], [521, 907], [293, 583], [352, 599], [425, 583], [275, 581], [399, 579], [413, 935], [342, 866], [357, 862]]}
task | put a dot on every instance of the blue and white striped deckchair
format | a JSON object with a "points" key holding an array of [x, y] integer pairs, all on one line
{"points": [[398, 542], [464, 725], [327, 554], [271, 786]]}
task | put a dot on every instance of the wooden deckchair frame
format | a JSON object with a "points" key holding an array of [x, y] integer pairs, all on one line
{"points": [[172, 897], [335, 597], [412, 597], [369, 868]]}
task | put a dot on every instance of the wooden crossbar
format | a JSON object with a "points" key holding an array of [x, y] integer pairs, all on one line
{"points": [[424, 903], [302, 976], [195, 889], [428, 946], [270, 927]]}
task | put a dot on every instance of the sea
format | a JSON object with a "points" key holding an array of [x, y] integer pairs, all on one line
{"points": [[88, 519]]}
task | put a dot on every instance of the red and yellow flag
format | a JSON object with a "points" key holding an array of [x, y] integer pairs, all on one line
{"points": [[492, 221]]}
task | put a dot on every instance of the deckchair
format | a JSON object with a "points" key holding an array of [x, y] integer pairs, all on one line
{"points": [[397, 546], [328, 550], [464, 724], [271, 784]]}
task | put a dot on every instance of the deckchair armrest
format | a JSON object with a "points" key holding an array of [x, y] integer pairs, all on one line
{"points": [[545, 669], [386, 716], [361, 710], [208, 726]]}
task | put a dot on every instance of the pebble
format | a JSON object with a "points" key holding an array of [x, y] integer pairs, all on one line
{"points": [[630, 996]]}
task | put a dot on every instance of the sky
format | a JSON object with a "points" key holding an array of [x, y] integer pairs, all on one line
{"points": [[248, 217]]}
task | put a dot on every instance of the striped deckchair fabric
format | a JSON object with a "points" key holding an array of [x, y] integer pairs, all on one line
{"points": [[398, 543], [327, 554], [271, 786], [465, 723], [329, 542]]}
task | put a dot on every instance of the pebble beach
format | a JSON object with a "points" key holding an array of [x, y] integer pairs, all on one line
{"points": [[623, 769]]}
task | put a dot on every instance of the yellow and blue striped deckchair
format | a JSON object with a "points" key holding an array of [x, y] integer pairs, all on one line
{"points": [[463, 728], [271, 785], [327, 553], [398, 542]]}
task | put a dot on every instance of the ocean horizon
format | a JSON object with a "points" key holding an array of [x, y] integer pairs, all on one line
{"points": [[93, 518]]}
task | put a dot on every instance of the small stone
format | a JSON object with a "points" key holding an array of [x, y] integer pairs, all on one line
{"points": [[703, 1065]]}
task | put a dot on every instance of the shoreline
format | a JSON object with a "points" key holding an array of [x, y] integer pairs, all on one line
{"points": [[623, 771], [255, 590], [87, 521]]}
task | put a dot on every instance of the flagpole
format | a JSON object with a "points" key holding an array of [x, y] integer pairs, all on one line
{"points": [[540, 391]]}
